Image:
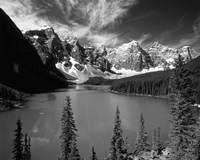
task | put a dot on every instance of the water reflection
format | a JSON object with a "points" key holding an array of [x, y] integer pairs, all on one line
{"points": [[51, 97]]}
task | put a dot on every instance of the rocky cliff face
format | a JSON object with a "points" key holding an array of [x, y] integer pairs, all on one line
{"points": [[68, 55], [76, 61], [164, 56], [48, 44], [132, 56]]}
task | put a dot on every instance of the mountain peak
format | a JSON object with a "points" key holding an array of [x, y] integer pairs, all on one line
{"points": [[45, 27]]}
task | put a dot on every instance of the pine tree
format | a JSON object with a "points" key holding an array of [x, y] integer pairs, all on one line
{"points": [[125, 149], [26, 149], [159, 145], [29, 148], [18, 142], [68, 133], [117, 142], [154, 140], [142, 144], [197, 141], [74, 151], [94, 156], [182, 122]]}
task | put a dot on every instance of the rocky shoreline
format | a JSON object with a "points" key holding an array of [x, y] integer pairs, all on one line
{"points": [[14, 105]]}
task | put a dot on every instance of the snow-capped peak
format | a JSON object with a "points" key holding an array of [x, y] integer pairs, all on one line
{"points": [[129, 45], [44, 27]]}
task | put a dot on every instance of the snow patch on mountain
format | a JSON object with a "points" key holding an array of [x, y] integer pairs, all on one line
{"points": [[122, 73], [82, 76]]}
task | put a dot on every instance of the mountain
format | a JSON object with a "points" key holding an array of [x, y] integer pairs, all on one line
{"points": [[20, 65], [154, 83], [131, 56], [75, 62], [78, 63]]}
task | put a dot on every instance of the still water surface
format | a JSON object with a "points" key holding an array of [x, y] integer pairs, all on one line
{"points": [[94, 111]]}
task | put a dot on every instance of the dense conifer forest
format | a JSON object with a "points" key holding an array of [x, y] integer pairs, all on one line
{"points": [[156, 83], [10, 98]]}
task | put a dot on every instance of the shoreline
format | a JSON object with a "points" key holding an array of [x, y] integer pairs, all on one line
{"points": [[135, 94], [16, 105]]}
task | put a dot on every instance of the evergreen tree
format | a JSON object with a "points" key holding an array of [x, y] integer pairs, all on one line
{"points": [[159, 145], [197, 141], [68, 133], [29, 148], [74, 151], [154, 140], [26, 148], [182, 122], [94, 156], [18, 142], [142, 144], [117, 142], [125, 149]]}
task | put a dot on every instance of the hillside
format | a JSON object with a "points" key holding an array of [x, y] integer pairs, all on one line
{"points": [[20, 65], [155, 83], [10, 98]]}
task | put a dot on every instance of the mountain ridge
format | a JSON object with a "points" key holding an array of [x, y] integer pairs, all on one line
{"points": [[78, 63]]}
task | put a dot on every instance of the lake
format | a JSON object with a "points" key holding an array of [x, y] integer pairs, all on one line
{"points": [[94, 111]]}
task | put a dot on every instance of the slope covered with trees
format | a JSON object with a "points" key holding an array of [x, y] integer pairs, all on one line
{"points": [[10, 98], [156, 83], [20, 65]]}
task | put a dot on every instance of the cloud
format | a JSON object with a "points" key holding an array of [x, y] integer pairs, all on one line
{"points": [[145, 15], [106, 12], [196, 27], [82, 18], [144, 37], [104, 39], [191, 39], [23, 13]]}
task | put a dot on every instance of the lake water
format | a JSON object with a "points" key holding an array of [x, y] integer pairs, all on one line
{"points": [[94, 111]]}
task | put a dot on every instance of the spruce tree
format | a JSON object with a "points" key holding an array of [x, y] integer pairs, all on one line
{"points": [[154, 140], [18, 142], [68, 133], [125, 149], [117, 142], [159, 145], [74, 151], [141, 144], [197, 141], [29, 148], [94, 156], [183, 123], [26, 148]]}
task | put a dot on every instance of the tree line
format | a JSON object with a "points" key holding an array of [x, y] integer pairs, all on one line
{"points": [[156, 83], [21, 144], [8, 95]]}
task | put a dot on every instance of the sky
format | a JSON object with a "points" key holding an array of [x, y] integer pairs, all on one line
{"points": [[174, 23]]}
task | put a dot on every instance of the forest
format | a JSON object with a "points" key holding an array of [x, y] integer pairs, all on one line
{"points": [[10, 98], [156, 83]]}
